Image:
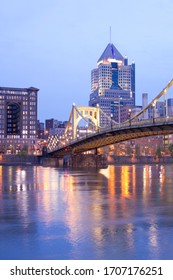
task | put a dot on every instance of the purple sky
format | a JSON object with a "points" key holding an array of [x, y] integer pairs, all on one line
{"points": [[54, 44]]}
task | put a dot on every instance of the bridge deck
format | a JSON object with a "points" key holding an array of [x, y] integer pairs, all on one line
{"points": [[115, 134]]}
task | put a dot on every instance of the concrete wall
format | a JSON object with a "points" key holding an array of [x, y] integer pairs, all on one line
{"points": [[18, 159], [139, 159], [77, 161], [52, 162], [88, 161]]}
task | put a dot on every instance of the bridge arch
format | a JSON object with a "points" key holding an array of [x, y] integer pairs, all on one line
{"points": [[132, 128], [85, 112], [112, 135]]}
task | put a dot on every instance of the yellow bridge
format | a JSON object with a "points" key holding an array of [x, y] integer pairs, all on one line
{"points": [[115, 133]]}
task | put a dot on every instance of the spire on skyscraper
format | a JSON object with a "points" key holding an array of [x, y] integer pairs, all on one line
{"points": [[111, 52]]}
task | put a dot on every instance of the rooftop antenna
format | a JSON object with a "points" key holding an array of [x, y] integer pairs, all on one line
{"points": [[110, 34]]}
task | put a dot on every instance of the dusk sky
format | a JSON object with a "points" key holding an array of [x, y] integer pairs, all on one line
{"points": [[53, 45]]}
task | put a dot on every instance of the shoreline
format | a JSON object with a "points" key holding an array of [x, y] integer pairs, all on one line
{"points": [[139, 160]]}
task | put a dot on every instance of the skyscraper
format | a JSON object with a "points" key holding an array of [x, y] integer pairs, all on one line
{"points": [[112, 83]]}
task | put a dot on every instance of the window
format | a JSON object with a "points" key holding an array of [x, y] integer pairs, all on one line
{"points": [[13, 119]]}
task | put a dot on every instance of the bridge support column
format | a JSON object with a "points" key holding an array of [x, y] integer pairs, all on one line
{"points": [[68, 161], [51, 161], [96, 159], [86, 161]]}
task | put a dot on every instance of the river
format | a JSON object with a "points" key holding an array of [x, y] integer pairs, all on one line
{"points": [[122, 212]]}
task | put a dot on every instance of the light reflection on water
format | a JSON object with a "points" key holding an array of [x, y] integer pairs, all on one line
{"points": [[123, 212]]}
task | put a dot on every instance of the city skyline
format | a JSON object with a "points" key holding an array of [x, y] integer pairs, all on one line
{"points": [[53, 46]]}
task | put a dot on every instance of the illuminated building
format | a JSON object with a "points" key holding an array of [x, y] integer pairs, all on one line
{"points": [[18, 118], [112, 83], [49, 124], [40, 129]]}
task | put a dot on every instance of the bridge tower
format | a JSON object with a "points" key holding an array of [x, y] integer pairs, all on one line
{"points": [[85, 112]]}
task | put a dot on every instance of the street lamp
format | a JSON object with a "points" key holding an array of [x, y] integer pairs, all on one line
{"points": [[98, 117], [153, 107], [129, 115], [166, 104], [111, 120], [47, 133], [119, 113]]}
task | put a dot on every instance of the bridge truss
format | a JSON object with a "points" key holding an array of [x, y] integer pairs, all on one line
{"points": [[130, 129]]}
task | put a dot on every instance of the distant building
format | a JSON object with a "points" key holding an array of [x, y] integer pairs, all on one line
{"points": [[124, 114], [49, 123], [144, 104], [168, 139], [18, 118], [59, 129], [170, 107], [112, 83], [160, 109], [40, 130]]}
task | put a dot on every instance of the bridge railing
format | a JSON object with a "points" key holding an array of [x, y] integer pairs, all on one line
{"points": [[127, 124]]}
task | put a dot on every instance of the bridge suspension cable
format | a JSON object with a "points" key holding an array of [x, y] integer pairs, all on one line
{"points": [[100, 111], [109, 118], [153, 102]]}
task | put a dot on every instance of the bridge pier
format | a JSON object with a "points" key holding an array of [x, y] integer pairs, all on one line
{"points": [[86, 161], [76, 161], [51, 161]]}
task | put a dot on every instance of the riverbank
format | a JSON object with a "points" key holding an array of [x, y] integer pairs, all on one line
{"points": [[19, 159], [112, 159]]}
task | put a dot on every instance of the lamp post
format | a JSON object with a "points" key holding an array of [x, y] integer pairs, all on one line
{"points": [[98, 118], [119, 113], [111, 120], [46, 134], [166, 106], [129, 115], [153, 107]]}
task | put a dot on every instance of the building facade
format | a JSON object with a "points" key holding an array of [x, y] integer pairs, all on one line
{"points": [[40, 130], [18, 119], [112, 82]]}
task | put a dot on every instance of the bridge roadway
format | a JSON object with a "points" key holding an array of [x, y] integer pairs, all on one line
{"points": [[115, 134]]}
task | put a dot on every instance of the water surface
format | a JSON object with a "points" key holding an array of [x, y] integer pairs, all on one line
{"points": [[123, 212]]}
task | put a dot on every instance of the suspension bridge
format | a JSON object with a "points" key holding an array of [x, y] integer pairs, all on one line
{"points": [[135, 127]]}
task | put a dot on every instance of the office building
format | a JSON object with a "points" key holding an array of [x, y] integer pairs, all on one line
{"points": [[112, 83], [18, 119], [40, 129]]}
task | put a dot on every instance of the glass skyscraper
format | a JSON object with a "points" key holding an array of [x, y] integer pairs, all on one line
{"points": [[112, 83]]}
